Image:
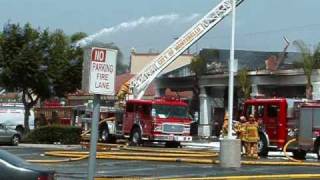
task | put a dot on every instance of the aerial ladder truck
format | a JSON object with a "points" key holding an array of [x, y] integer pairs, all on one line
{"points": [[165, 119], [136, 86]]}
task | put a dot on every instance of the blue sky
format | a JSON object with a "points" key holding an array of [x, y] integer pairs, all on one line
{"points": [[261, 24]]}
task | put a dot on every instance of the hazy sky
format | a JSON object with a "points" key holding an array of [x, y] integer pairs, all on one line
{"points": [[153, 24]]}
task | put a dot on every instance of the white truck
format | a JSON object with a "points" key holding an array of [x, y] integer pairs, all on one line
{"points": [[12, 115]]}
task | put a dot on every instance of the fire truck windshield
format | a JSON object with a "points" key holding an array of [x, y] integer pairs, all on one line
{"points": [[166, 111]]}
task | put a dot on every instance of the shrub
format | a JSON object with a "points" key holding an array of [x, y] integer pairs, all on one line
{"points": [[55, 133]]}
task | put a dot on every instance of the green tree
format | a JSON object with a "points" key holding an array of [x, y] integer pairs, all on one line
{"points": [[77, 36], [20, 63], [198, 66], [37, 63], [244, 82], [310, 60], [71, 73], [65, 63], [1, 36]]}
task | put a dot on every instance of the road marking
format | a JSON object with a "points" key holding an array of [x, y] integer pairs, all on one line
{"points": [[268, 176]]}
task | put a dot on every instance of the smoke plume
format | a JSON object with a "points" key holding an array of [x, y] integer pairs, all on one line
{"points": [[133, 24]]}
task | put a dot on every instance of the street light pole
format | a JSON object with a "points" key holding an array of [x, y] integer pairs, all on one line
{"points": [[231, 71], [230, 148]]}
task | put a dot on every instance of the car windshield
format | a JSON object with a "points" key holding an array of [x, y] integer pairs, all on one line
{"points": [[166, 111]]}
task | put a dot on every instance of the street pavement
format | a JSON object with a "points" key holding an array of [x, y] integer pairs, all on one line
{"points": [[147, 169]]}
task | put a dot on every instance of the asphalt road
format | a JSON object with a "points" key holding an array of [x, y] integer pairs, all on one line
{"points": [[123, 168]]}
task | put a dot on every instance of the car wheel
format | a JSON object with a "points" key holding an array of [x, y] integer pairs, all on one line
{"points": [[135, 139], [299, 154], [15, 140], [263, 145], [104, 135]]}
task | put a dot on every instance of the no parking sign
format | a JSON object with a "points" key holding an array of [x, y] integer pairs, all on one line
{"points": [[101, 67]]}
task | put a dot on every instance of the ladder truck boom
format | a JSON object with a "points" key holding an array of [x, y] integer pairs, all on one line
{"points": [[140, 82]]}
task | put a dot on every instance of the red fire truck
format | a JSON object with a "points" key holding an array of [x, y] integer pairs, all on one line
{"points": [[164, 119], [283, 119]]}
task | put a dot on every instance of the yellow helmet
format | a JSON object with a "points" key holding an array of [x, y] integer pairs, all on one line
{"points": [[226, 115]]}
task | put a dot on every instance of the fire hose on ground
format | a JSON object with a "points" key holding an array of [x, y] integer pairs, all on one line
{"points": [[168, 155], [285, 151], [161, 155]]}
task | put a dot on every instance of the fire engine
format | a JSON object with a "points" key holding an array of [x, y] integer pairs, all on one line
{"points": [[283, 119], [164, 119]]}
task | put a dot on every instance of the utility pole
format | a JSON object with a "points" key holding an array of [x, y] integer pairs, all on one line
{"points": [[230, 148]]}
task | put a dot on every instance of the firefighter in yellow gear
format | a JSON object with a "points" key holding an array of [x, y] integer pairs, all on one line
{"points": [[240, 128], [123, 91], [251, 137], [224, 130]]}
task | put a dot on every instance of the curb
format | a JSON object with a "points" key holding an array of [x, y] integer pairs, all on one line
{"points": [[245, 177], [51, 146]]}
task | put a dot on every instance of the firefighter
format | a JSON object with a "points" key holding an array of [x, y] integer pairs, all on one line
{"points": [[251, 137], [124, 90], [224, 130], [240, 128]]}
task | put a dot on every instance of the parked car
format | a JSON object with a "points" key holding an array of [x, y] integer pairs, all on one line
{"points": [[9, 136], [15, 168]]}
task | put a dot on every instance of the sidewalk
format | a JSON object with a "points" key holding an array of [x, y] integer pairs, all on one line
{"points": [[50, 146], [197, 143]]}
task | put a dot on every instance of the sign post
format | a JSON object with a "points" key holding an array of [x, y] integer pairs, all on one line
{"points": [[98, 80]]}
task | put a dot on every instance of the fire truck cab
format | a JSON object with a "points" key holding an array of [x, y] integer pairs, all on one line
{"points": [[283, 119], [163, 120], [272, 117]]}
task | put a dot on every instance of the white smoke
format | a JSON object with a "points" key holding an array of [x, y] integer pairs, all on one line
{"points": [[192, 17], [133, 24]]}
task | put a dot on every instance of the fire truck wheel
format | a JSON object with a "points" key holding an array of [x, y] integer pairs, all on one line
{"points": [[172, 144], [299, 154], [135, 138], [317, 147], [15, 140], [263, 145]]}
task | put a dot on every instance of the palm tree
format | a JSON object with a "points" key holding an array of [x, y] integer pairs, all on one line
{"points": [[310, 60], [244, 82]]}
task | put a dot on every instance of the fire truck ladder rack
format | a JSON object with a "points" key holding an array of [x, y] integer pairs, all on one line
{"points": [[140, 82]]}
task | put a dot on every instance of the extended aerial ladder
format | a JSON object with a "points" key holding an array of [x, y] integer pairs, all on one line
{"points": [[137, 85]]}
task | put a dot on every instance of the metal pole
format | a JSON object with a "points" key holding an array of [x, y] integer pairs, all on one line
{"points": [[231, 71], [94, 137]]}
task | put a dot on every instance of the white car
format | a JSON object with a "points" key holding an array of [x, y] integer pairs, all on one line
{"points": [[9, 136]]}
